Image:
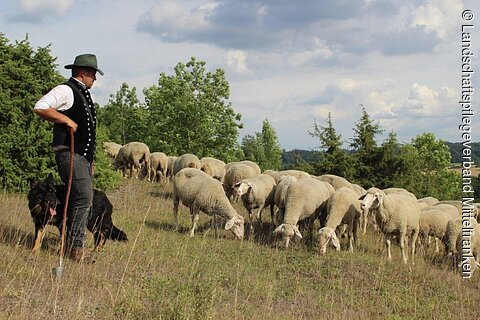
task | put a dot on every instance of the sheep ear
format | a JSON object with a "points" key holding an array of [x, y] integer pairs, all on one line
{"points": [[280, 228], [230, 223], [297, 232], [335, 241], [362, 197]]}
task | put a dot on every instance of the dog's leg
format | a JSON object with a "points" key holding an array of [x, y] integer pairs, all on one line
{"points": [[38, 239]]}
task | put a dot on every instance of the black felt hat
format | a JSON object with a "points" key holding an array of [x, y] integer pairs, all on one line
{"points": [[85, 60]]}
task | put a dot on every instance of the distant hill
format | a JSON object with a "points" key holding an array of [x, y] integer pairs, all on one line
{"points": [[456, 149]]}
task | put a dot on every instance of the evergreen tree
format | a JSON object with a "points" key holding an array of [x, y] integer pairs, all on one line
{"points": [[335, 160], [365, 149], [271, 147]]}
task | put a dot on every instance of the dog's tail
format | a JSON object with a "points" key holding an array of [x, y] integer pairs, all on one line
{"points": [[117, 234]]}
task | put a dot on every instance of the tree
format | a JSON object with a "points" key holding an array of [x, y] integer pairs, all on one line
{"points": [[190, 112], [25, 152], [335, 160], [124, 116], [365, 148]]}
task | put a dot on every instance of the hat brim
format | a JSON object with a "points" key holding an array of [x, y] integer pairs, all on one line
{"points": [[71, 66]]}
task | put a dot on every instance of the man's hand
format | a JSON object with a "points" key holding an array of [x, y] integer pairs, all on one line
{"points": [[54, 116]]}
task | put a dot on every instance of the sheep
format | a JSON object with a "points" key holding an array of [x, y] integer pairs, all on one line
{"points": [[213, 167], [186, 160], [336, 181], [463, 208], [200, 192], [171, 160], [133, 155], [343, 208], [295, 173], [305, 200], [158, 166], [453, 230], [235, 174], [449, 209], [427, 202], [256, 193], [111, 148], [358, 189], [397, 214], [433, 223], [468, 246], [256, 169], [280, 192]]}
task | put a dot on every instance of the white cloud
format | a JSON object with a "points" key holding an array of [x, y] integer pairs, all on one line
{"points": [[436, 16], [57, 7], [237, 61]]}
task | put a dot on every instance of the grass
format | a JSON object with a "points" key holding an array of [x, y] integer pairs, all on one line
{"points": [[163, 274]]}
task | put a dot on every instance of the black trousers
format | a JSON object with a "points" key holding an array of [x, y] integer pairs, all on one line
{"points": [[81, 195]]}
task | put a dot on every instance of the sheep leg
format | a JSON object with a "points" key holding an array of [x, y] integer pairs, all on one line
{"points": [[176, 201], [250, 222], [437, 249], [414, 241], [402, 241], [272, 212], [364, 221], [195, 216], [388, 243], [215, 225], [352, 230]]}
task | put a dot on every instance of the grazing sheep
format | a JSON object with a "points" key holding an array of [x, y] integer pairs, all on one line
{"points": [[427, 202], [449, 209], [171, 160], [305, 200], [453, 230], [468, 245], [468, 208], [397, 214], [235, 174], [280, 192], [358, 189], [158, 166], [213, 167], [200, 192], [433, 223], [186, 160], [336, 181], [343, 208], [256, 169], [295, 173], [111, 148], [133, 155], [256, 193]]}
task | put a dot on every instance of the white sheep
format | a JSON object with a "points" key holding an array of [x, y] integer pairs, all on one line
{"points": [[171, 161], [213, 167], [343, 208], [280, 192], [111, 148], [256, 169], [453, 230], [468, 208], [294, 173], [468, 246], [133, 155], [186, 160], [337, 182], [305, 200], [433, 223], [397, 214], [158, 166], [200, 192], [256, 193], [235, 174], [427, 202]]}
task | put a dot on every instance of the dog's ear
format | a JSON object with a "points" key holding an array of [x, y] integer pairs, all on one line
{"points": [[49, 179]]}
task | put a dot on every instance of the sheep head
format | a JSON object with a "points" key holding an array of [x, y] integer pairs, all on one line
{"points": [[328, 234], [241, 188], [288, 231], [236, 225], [372, 200]]}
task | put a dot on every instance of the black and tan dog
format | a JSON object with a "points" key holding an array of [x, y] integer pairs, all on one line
{"points": [[46, 203]]}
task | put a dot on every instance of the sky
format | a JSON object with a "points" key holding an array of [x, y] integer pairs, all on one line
{"points": [[291, 62]]}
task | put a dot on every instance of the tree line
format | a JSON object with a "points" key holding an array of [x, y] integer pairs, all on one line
{"points": [[189, 112]]}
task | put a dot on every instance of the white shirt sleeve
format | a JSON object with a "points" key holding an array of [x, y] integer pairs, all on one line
{"points": [[60, 98]]}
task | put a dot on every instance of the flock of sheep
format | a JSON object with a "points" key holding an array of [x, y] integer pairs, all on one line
{"points": [[297, 199]]}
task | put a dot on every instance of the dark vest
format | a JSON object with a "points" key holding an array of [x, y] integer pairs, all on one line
{"points": [[83, 113]]}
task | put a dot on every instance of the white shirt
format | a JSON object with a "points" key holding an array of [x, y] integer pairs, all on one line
{"points": [[60, 98]]}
